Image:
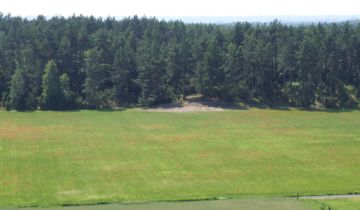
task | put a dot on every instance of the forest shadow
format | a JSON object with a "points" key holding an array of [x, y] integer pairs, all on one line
{"points": [[284, 106], [330, 110], [116, 109], [311, 109], [165, 106]]}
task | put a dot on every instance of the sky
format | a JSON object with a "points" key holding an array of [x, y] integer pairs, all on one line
{"points": [[178, 8]]}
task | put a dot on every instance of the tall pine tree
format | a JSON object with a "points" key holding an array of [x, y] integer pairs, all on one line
{"points": [[52, 95]]}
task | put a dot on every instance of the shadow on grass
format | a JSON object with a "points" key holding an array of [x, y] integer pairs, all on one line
{"points": [[287, 107], [164, 106], [332, 110], [117, 109]]}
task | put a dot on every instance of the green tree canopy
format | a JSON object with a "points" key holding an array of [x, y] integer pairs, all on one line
{"points": [[19, 91], [52, 95]]}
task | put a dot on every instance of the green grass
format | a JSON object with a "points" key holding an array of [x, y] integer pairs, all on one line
{"points": [[335, 204], [55, 158]]}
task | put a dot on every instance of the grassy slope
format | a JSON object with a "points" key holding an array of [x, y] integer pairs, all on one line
{"points": [[52, 158], [335, 204]]}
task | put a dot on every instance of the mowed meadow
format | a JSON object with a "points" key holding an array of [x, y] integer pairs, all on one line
{"points": [[87, 157]]}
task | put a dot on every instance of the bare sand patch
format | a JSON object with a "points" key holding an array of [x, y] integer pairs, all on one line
{"points": [[184, 107], [195, 104]]}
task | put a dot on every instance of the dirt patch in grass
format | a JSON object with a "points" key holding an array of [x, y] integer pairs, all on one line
{"points": [[59, 154], [82, 158], [195, 104], [184, 107], [180, 138], [284, 130], [21, 132], [152, 127]]}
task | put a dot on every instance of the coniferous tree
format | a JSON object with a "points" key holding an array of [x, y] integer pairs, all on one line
{"points": [[251, 66], [96, 89], [307, 67], [175, 69], [69, 96], [124, 75], [27, 59], [144, 61], [4, 75], [212, 83], [152, 77], [233, 89], [53, 95], [19, 91], [147, 65]]}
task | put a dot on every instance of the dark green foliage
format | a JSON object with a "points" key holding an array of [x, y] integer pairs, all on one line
{"points": [[106, 62], [69, 101], [233, 86], [151, 78], [178, 69], [19, 91], [96, 84], [52, 96], [5, 101], [307, 67], [212, 82], [124, 74]]}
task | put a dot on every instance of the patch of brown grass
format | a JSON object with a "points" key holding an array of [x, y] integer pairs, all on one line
{"points": [[179, 138], [82, 157], [22, 132], [152, 127], [284, 130]]}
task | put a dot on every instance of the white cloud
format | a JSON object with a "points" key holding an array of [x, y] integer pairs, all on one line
{"points": [[180, 7]]}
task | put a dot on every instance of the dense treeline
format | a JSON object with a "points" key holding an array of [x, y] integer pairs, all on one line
{"points": [[87, 62]]}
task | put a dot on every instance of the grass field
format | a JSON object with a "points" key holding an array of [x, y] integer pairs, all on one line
{"points": [[335, 204], [86, 157]]}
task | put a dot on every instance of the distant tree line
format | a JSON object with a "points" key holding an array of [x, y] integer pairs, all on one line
{"points": [[86, 62]]}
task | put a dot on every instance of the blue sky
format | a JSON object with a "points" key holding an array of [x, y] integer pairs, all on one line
{"points": [[177, 8]]}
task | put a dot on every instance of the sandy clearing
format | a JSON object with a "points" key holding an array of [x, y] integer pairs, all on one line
{"points": [[194, 106], [185, 107]]}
